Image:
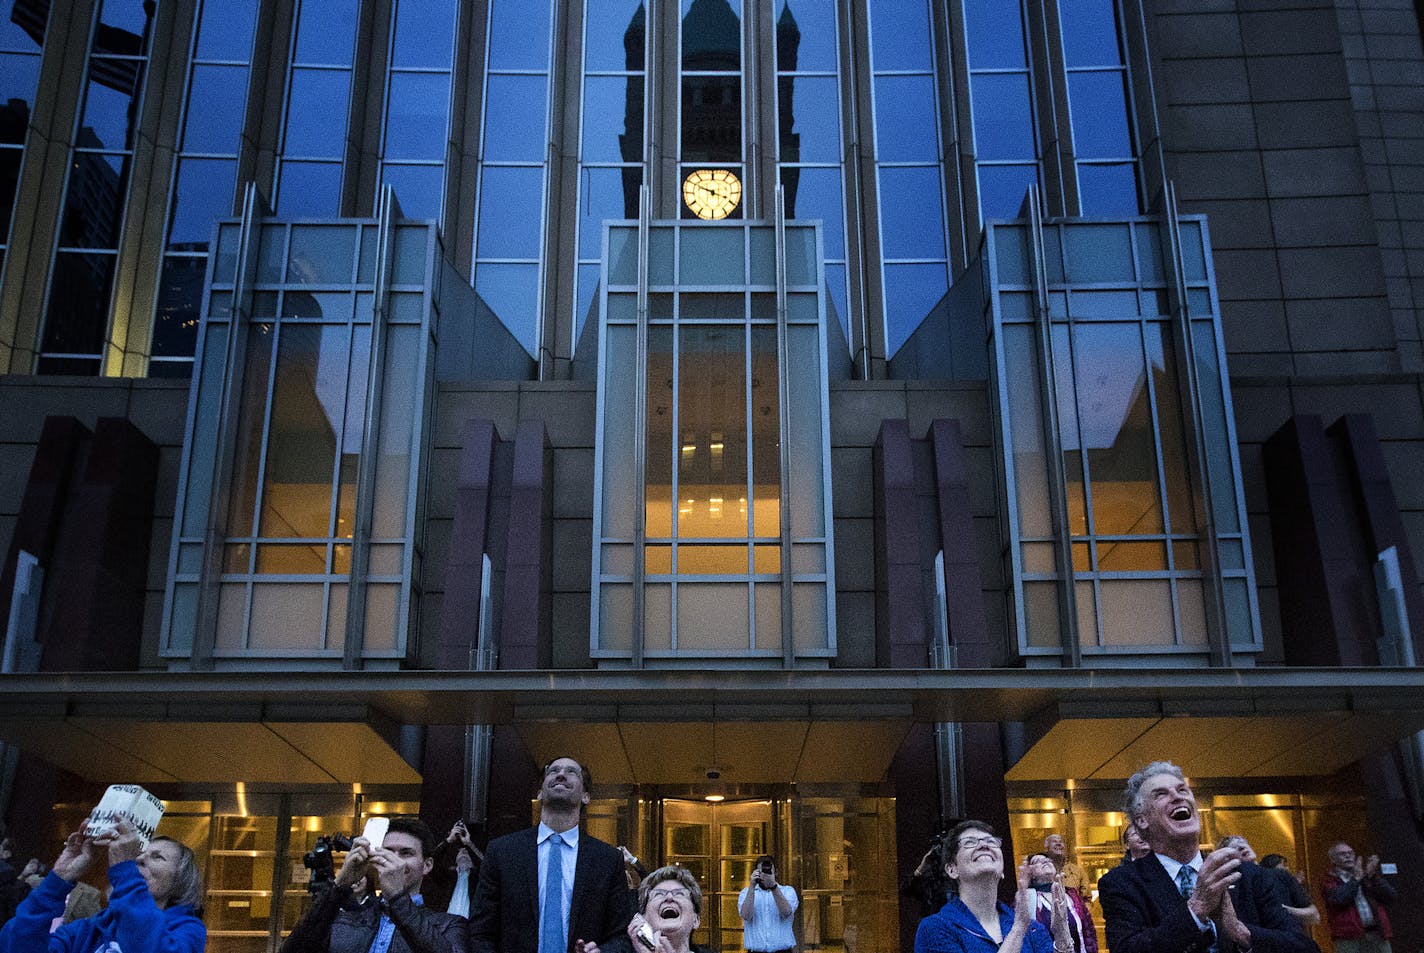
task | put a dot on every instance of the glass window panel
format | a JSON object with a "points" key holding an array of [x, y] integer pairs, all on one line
{"points": [[1041, 622], [316, 112], [326, 31], [1003, 117], [419, 188], [424, 34], [616, 560], [287, 616], [271, 247], [657, 616], [1191, 611], [615, 617], [232, 609], [1172, 430], [995, 34], [622, 257], [806, 39], [1116, 422], [900, 35], [605, 194], [1023, 382], [252, 415], [1119, 556], [1240, 629], [836, 306], [203, 195], [1149, 255], [657, 478], [1090, 36], [19, 78], [381, 617], [711, 118], [415, 115], [180, 299], [264, 304], [766, 435], [519, 34], [352, 436], [92, 200], [911, 215], [801, 257], [657, 560], [515, 119], [226, 30], [1071, 437], [1085, 597], [29, 32], [806, 489], [808, 616], [208, 396], [321, 254], [713, 560], [78, 303], [711, 35], [1220, 467], [512, 292], [292, 560], [768, 616], [905, 123], [1011, 254], [1040, 558], [816, 194], [1137, 612], [586, 302], [213, 122], [1098, 254], [307, 408], [1103, 304], [1098, 105], [1193, 251], [412, 242], [130, 16], [1002, 189], [106, 110], [712, 256], [511, 212], [309, 190], [333, 306], [808, 111], [911, 293], [394, 444], [1230, 554], [712, 431], [1108, 191], [766, 560], [615, 34], [712, 617], [612, 120]]}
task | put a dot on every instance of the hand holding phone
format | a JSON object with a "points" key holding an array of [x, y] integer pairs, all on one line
{"points": [[375, 831]]}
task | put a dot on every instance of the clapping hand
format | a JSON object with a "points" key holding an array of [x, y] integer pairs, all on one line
{"points": [[1219, 871], [1024, 899]]}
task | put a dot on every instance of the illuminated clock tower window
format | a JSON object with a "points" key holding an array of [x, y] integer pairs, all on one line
{"points": [[710, 121]]}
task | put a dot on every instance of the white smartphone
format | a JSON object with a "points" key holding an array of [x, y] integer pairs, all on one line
{"points": [[375, 832]]}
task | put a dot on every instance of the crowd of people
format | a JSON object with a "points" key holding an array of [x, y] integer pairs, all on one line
{"points": [[553, 888]]}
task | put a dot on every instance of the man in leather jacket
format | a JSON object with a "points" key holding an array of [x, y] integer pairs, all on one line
{"points": [[395, 922]]}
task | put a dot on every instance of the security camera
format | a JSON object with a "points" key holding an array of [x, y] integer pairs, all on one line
{"points": [[714, 773]]}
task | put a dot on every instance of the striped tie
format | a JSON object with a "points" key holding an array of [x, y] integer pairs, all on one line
{"points": [[551, 920]]}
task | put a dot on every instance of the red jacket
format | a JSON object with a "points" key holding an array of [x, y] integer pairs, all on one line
{"points": [[1339, 895]]}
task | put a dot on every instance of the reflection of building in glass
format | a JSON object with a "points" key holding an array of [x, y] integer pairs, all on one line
{"points": [[1068, 419]]}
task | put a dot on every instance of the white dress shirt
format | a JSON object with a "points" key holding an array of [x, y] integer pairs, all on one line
{"points": [[768, 930]]}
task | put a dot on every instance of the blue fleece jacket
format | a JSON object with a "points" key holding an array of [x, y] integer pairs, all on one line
{"points": [[954, 929], [132, 923]]}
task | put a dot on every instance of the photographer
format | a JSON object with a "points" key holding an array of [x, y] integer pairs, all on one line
{"points": [[766, 908], [156, 900], [395, 923]]}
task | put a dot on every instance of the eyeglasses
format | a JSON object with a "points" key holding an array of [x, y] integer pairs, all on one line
{"points": [[973, 842], [675, 893]]}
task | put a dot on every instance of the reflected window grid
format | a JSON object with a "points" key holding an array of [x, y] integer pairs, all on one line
{"points": [[419, 183], [510, 284], [76, 314], [310, 22], [789, 167], [738, 76], [1107, 184], [912, 285], [12, 150], [1003, 179], [632, 169]]}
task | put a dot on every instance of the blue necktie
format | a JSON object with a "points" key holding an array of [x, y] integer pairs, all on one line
{"points": [[551, 920], [1186, 881]]}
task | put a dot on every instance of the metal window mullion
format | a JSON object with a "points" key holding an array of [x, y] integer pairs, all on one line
{"points": [[783, 385], [640, 426], [749, 526], [1053, 456]]}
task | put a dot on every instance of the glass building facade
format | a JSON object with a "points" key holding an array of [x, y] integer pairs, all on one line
{"points": [[797, 409]]}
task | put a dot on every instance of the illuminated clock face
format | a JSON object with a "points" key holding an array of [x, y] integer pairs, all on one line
{"points": [[711, 193]]}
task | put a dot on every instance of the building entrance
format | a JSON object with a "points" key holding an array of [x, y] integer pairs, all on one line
{"points": [[719, 843]]}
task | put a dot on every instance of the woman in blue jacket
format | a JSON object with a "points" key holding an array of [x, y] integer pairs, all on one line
{"points": [[974, 921], [154, 907]]}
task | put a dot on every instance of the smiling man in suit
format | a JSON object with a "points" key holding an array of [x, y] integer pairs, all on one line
{"points": [[1174, 901], [551, 888]]}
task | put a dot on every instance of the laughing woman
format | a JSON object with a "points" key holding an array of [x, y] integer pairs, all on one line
{"points": [[974, 921], [670, 907]]}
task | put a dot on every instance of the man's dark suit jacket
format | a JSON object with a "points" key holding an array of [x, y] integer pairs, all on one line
{"points": [[504, 917], [1145, 913]]}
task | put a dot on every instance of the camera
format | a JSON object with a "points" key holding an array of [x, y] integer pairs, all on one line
{"points": [[319, 860]]}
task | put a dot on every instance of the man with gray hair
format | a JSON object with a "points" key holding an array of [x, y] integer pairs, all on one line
{"points": [[1174, 901]]}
